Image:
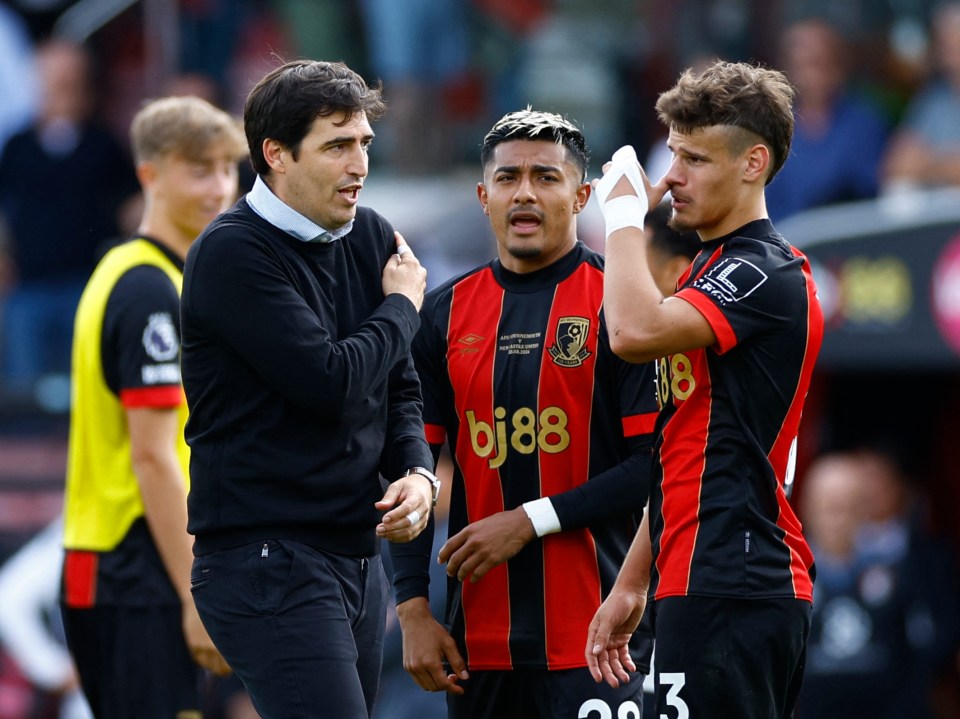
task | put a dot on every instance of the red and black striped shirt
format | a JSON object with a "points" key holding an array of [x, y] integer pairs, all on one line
{"points": [[517, 373], [720, 521]]}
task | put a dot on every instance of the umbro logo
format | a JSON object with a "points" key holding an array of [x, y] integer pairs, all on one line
{"points": [[471, 341]]}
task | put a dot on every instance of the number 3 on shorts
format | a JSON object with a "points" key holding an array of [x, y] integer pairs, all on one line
{"points": [[675, 681]]}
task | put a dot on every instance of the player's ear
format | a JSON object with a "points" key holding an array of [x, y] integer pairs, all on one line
{"points": [[146, 173], [583, 197], [482, 196], [757, 163], [273, 153]]}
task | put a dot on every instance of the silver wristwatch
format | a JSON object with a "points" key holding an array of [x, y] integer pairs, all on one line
{"points": [[429, 475]]}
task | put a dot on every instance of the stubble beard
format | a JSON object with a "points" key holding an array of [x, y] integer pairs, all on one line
{"points": [[678, 225]]}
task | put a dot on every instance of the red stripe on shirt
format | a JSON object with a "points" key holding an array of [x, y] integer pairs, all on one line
{"points": [[639, 424], [801, 558], [475, 311], [683, 459], [80, 579], [683, 454], [569, 604], [162, 397], [435, 433]]}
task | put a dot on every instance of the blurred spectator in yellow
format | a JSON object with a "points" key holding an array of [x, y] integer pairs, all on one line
{"points": [[839, 137], [62, 183], [884, 612], [925, 150]]}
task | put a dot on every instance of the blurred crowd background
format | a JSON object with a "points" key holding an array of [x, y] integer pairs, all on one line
{"points": [[873, 179]]}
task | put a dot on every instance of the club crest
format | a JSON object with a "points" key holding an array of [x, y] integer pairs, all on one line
{"points": [[569, 350]]}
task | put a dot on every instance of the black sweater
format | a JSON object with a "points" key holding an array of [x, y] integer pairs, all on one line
{"points": [[300, 385]]}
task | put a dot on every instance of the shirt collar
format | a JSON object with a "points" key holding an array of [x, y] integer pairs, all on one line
{"points": [[279, 214]]}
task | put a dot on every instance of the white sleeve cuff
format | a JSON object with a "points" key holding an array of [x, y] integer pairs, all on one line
{"points": [[543, 515]]}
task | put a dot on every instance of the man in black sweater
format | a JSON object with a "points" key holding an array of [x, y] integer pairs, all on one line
{"points": [[298, 311]]}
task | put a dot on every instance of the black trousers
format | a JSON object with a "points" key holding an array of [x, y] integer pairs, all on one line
{"points": [[302, 629]]}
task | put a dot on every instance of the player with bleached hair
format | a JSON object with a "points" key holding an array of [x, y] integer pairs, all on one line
{"points": [[550, 434]]}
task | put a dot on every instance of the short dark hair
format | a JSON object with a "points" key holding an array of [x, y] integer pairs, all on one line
{"points": [[284, 104], [530, 124], [756, 100], [667, 241]]}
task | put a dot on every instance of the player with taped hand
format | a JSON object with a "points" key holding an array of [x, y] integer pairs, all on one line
{"points": [[724, 561]]}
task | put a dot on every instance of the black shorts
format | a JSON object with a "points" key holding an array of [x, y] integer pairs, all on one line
{"points": [[133, 662], [542, 694], [736, 658]]}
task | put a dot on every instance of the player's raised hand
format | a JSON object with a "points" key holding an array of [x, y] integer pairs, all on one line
{"points": [[608, 637], [427, 645], [403, 273], [625, 193]]}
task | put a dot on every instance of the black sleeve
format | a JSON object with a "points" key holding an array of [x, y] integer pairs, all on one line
{"points": [[240, 292], [411, 561], [411, 564], [625, 486], [405, 445], [141, 331]]}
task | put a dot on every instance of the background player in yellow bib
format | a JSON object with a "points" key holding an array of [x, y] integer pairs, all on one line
{"points": [[130, 620]]}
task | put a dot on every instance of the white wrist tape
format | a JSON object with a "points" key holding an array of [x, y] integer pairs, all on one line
{"points": [[627, 210], [543, 516], [624, 211]]}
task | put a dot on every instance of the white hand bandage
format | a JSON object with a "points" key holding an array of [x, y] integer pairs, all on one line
{"points": [[401, 249], [627, 210], [414, 517]]}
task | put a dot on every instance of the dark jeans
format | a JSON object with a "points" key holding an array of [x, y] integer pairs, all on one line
{"points": [[302, 629]]}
